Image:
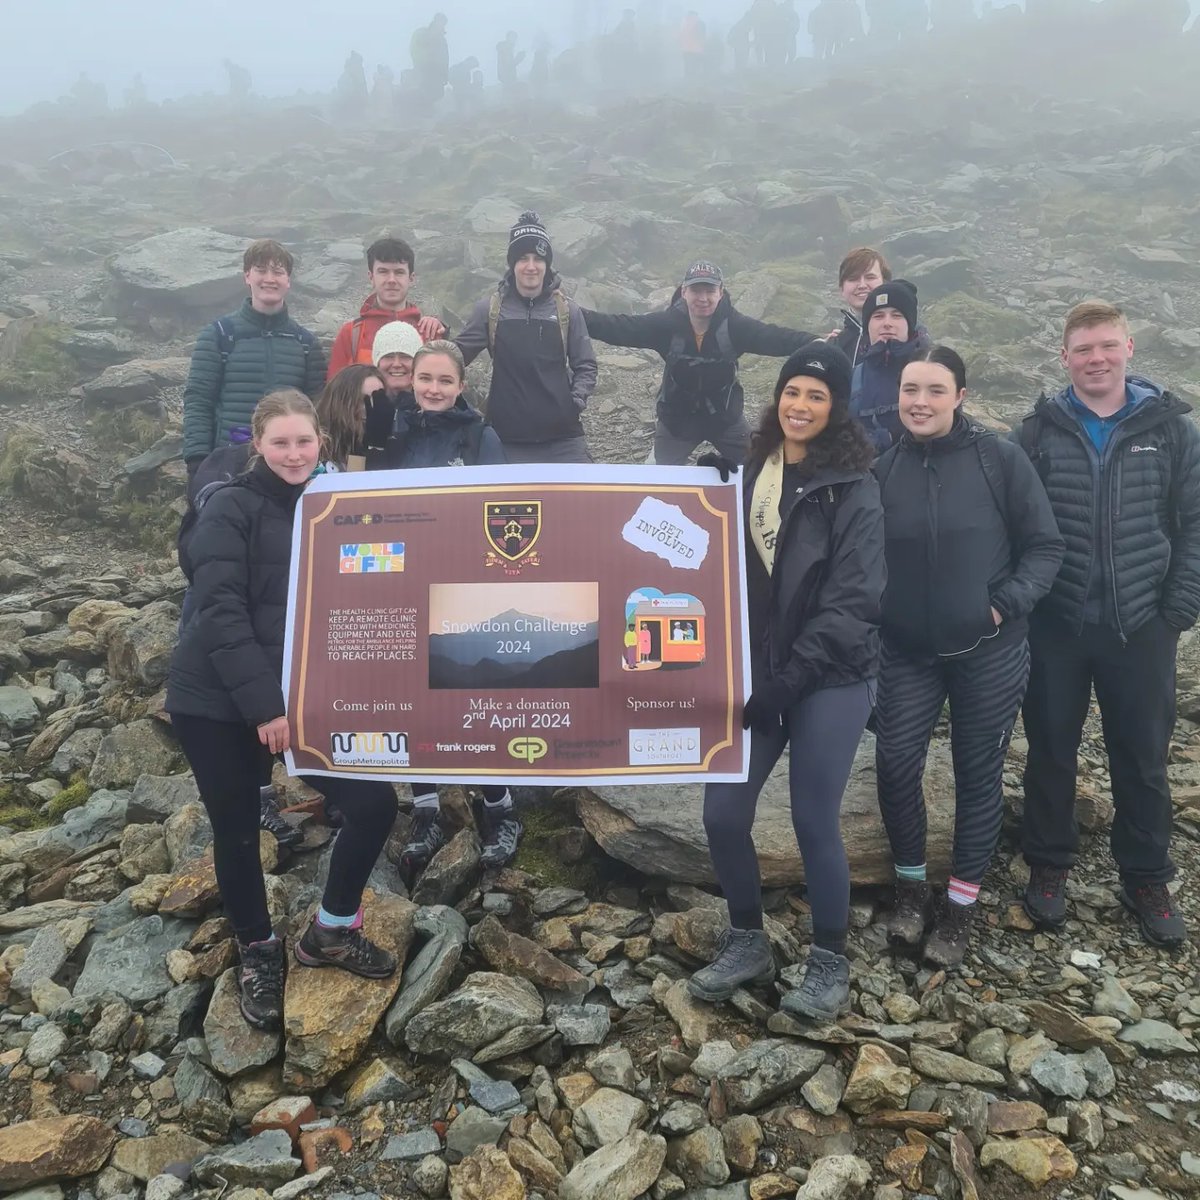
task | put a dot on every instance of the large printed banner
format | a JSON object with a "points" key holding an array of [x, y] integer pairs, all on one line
{"points": [[533, 624]]}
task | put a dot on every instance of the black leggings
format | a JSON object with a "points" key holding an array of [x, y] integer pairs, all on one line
{"points": [[227, 760], [823, 730]]}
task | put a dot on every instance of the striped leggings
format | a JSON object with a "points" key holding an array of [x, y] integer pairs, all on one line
{"points": [[985, 693]]}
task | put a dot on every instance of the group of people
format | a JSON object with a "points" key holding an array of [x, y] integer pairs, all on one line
{"points": [[899, 556]]}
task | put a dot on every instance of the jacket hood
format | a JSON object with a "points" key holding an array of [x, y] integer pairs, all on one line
{"points": [[372, 308], [260, 478], [411, 418]]}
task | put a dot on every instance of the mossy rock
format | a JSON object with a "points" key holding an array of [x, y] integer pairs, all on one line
{"points": [[959, 318], [22, 446], [16, 811], [537, 852], [33, 360], [74, 795]]}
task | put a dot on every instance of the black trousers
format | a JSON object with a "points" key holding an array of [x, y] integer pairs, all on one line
{"points": [[1135, 688], [227, 760], [823, 731], [984, 689]]}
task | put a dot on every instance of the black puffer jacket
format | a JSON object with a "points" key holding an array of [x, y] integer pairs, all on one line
{"points": [[455, 437], [852, 340], [699, 389], [968, 528], [814, 622], [228, 665], [1132, 513]]}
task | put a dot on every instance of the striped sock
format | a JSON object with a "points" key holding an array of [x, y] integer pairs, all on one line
{"points": [[911, 874], [960, 892]]}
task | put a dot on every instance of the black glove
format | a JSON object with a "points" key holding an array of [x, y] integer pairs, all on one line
{"points": [[766, 706], [719, 463]]}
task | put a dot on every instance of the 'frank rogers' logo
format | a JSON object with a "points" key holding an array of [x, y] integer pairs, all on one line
{"points": [[370, 749]]}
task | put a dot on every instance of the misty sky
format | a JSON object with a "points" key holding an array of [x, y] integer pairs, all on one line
{"points": [[178, 45]]}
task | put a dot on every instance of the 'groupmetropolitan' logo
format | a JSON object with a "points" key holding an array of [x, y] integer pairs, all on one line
{"points": [[512, 529], [370, 749]]}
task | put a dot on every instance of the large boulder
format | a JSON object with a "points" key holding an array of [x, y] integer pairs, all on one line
{"points": [[194, 270], [52, 1148], [135, 382], [659, 829]]}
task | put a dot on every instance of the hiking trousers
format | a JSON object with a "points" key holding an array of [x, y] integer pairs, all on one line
{"points": [[671, 450], [822, 732], [227, 760], [564, 450], [1135, 689], [985, 690]]}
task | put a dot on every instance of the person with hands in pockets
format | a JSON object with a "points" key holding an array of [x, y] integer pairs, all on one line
{"points": [[815, 577]]}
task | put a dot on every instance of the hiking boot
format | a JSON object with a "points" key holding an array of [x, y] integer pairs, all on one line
{"points": [[1151, 903], [501, 831], [270, 820], [910, 912], [824, 993], [951, 934], [344, 946], [1046, 896], [260, 984], [743, 956], [425, 838]]}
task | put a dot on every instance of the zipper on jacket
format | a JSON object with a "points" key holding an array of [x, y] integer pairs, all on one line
{"points": [[1114, 511]]}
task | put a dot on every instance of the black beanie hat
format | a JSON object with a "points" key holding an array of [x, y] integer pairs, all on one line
{"points": [[818, 360], [529, 236], [898, 294]]}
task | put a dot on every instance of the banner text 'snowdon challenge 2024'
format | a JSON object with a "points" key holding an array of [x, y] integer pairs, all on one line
{"points": [[587, 628]]}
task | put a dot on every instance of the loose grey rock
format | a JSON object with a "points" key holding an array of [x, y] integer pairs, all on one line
{"points": [[130, 961], [430, 1176], [202, 1096], [620, 1171], [234, 1046], [613, 1067], [44, 958], [823, 1091], [1061, 1074], [580, 1024], [712, 1057], [1157, 1038], [472, 1128], [495, 1095], [46, 1044], [426, 977], [487, 1006], [682, 1117], [264, 1160], [165, 1187], [699, 1158], [835, 1176], [412, 1145], [1101, 1078], [607, 1116], [766, 1071], [1112, 1000], [989, 1048], [147, 1065]]}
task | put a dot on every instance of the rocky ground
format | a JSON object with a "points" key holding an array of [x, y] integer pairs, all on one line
{"points": [[539, 1040]]}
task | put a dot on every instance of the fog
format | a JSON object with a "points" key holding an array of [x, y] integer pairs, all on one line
{"points": [[178, 47]]}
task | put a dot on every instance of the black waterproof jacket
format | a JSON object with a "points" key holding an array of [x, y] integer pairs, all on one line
{"points": [[699, 389], [814, 622], [852, 341], [456, 437], [1132, 513], [968, 528], [228, 665], [875, 388]]}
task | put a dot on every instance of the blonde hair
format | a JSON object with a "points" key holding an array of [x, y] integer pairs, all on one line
{"points": [[1093, 312], [446, 347]]}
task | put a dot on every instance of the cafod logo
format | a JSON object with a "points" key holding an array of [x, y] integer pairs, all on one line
{"points": [[528, 748]]}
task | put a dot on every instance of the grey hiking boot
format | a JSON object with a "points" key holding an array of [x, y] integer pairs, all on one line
{"points": [[824, 993], [500, 831], [910, 912], [269, 819], [743, 956]]}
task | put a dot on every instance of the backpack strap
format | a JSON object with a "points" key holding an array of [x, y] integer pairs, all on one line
{"points": [[355, 338], [724, 341], [883, 468], [563, 307], [493, 322], [995, 472]]}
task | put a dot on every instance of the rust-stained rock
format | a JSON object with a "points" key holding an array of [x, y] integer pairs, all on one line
{"points": [[515, 955], [486, 1174], [54, 1148], [329, 1014], [193, 890]]}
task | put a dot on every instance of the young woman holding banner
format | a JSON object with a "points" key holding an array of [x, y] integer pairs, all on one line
{"points": [[227, 709], [815, 574]]}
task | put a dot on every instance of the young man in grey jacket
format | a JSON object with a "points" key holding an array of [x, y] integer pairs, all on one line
{"points": [[543, 365]]}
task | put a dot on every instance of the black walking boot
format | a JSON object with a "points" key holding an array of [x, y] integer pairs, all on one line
{"points": [[743, 956], [1046, 896], [1157, 915], [425, 838], [260, 984], [344, 946], [270, 820], [951, 934], [500, 832], [911, 911], [824, 992]]}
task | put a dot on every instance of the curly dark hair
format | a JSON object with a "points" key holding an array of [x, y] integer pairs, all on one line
{"points": [[842, 444]]}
